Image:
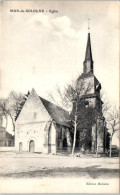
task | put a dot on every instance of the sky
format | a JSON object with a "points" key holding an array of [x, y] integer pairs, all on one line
{"points": [[42, 50]]}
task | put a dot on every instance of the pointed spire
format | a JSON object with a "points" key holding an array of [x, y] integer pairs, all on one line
{"points": [[88, 55], [88, 62]]}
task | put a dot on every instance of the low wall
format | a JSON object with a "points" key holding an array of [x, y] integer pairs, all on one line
{"points": [[2, 149]]}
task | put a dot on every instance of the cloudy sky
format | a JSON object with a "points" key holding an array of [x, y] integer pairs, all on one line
{"points": [[41, 50]]}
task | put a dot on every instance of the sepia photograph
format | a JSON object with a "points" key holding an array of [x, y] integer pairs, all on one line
{"points": [[59, 97]]}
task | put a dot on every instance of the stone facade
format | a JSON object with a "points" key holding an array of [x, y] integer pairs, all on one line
{"points": [[36, 130]]}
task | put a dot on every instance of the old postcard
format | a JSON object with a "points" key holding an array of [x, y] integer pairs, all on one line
{"points": [[59, 97]]}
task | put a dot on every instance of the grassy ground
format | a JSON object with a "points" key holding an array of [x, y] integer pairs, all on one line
{"points": [[34, 165]]}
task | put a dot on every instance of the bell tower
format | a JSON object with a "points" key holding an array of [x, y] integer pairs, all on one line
{"points": [[89, 90], [89, 81]]}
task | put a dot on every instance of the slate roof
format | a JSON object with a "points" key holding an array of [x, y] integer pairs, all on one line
{"points": [[89, 74], [88, 54], [85, 75], [58, 114]]}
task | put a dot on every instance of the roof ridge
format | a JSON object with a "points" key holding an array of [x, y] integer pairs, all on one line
{"points": [[54, 104]]}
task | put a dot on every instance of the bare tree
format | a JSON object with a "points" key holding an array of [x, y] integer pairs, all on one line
{"points": [[106, 104], [111, 115], [59, 98], [72, 97], [113, 123], [12, 105], [3, 108], [15, 103]]}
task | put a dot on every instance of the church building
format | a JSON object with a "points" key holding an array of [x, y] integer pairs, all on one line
{"points": [[44, 127]]}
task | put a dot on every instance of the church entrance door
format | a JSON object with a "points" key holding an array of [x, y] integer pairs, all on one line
{"points": [[31, 146]]}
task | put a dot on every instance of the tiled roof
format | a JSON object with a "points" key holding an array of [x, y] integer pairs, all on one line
{"points": [[59, 115]]}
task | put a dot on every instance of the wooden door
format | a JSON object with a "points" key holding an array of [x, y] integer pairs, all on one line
{"points": [[31, 146]]}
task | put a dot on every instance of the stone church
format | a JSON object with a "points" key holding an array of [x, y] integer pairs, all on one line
{"points": [[44, 127]]}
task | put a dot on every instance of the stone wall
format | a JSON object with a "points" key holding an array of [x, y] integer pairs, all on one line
{"points": [[94, 136], [26, 132], [100, 135]]}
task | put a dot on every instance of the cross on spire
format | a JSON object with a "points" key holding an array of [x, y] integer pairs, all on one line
{"points": [[88, 25], [88, 62]]}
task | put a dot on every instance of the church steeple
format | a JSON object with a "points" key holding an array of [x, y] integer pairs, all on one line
{"points": [[88, 62]]}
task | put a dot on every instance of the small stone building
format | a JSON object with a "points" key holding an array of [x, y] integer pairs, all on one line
{"points": [[42, 126], [6, 139]]}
